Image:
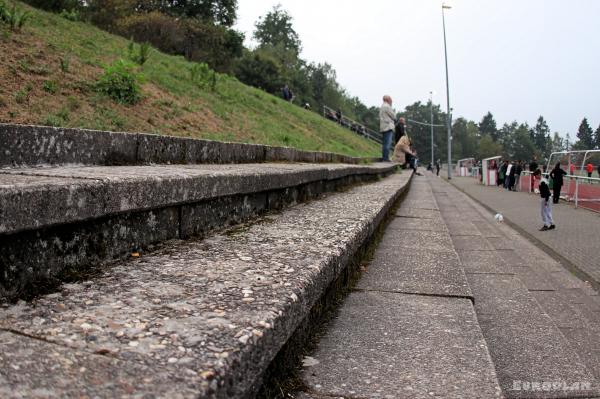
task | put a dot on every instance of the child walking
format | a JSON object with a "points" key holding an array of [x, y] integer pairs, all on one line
{"points": [[546, 205]]}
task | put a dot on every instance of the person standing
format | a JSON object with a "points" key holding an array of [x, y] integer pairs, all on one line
{"points": [[589, 168], [502, 174], [512, 168], [437, 168], [399, 130], [546, 205], [387, 117], [557, 181], [287, 94], [533, 166], [518, 171]]}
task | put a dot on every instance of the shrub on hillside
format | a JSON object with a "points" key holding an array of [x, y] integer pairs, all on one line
{"points": [[259, 70], [139, 54], [197, 40], [13, 16], [121, 82]]}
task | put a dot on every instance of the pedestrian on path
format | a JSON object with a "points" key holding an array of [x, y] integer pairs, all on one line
{"points": [[589, 168], [518, 171], [557, 181], [437, 168], [545, 204], [533, 166], [387, 117]]}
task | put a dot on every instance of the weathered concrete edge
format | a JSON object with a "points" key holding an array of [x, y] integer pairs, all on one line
{"points": [[259, 355], [317, 301], [30, 145], [20, 207], [566, 263]]}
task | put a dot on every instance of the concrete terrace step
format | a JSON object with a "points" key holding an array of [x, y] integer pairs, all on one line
{"points": [[532, 312], [199, 318], [24, 145], [71, 218], [410, 329]]}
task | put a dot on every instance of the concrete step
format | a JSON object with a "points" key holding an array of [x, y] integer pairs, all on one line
{"points": [[409, 329], [524, 300], [69, 219], [198, 318], [25, 145]]}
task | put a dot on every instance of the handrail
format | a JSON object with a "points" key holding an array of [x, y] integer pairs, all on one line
{"points": [[364, 131]]}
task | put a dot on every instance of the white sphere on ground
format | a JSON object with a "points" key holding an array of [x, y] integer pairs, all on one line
{"points": [[499, 218]]}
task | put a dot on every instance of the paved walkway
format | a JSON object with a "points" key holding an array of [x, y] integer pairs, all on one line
{"points": [[452, 297], [576, 238]]}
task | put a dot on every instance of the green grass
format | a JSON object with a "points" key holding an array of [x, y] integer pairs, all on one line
{"points": [[171, 103]]}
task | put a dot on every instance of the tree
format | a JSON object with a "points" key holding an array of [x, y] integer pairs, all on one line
{"points": [[54, 5], [522, 147], [488, 126], [541, 136], [259, 70], [465, 138], [558, 143], [488, 147], [219, 12], [585, 135], [597, 137], [275, 30]]}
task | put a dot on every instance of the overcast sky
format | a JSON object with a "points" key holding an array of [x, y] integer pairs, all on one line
{"points": [[516, 58]]}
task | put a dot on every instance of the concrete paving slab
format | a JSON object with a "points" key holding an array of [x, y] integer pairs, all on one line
{"points": [[579, 296], [420, 204], [405, 211], [471, 243], [512, 258], [562, 313], [434, 241], [462, 228], [482, 262], [564, 279], [533, 279], [406, 223], [34, 369], [487, 229], [419, 272], [394, 345], [524, 343]]}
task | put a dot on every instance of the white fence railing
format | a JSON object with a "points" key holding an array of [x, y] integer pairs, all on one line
{"points": [[582, 191]]}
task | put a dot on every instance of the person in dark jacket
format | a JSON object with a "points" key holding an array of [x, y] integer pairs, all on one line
{"points": [[557, 177], [518, 171], [546, 205], [533, 166]]}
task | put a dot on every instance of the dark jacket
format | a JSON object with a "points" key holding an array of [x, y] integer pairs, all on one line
{"points": [[533, 166], [557, 176], [544, 190], [399, 131], [518, 169]]}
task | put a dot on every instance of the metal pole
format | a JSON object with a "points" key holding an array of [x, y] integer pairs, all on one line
{"points": [[431, 109], [448, 116]]}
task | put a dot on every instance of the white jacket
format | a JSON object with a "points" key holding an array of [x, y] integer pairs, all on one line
{"points": [[387, 117]]}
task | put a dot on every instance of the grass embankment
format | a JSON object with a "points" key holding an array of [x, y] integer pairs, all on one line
{"points": [[49, 69]]}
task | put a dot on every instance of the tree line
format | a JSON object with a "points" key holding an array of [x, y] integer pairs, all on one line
{"points": [[517, 141]]}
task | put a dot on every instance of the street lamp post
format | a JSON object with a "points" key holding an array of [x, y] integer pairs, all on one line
{"points": [[431, 112], [448, 115]]}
